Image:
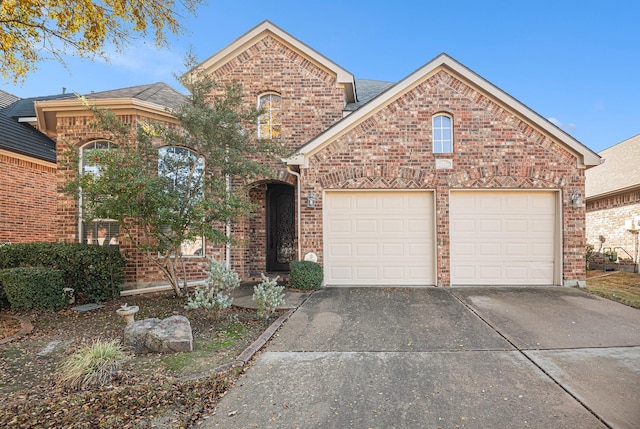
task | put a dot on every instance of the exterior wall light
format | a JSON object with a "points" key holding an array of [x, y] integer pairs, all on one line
{"points": [[576, 201], [311, 200]]}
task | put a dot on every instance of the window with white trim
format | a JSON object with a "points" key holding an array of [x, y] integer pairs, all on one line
{"points": [[442, 134], [103, 232], [183, 170], [270, 121]]}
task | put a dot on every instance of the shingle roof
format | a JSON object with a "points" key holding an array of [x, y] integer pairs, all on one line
{"points": [[158, 93], [25, 140], [366, 90], [6, 99], [618, 173], [24, 108]]}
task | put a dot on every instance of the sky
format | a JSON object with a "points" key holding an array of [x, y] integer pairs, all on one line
{"points": [[576, 63]]}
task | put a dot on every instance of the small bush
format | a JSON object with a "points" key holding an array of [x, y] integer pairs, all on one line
{"points": [[94, 272], [305, 275], [268, 296], [34, 288], [214, 294], [95, 365]]}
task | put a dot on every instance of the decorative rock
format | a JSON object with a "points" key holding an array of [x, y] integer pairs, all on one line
{"points": [[169, 335]]}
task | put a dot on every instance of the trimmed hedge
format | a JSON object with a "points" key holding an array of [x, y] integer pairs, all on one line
{"points": [[94, 272], [34, 288], [305, 275]]}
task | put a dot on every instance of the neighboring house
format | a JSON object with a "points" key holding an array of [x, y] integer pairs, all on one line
{"points": [[613, 202], [440, 179], [27, 174]]}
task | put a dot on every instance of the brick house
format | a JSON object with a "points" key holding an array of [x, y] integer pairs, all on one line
{"points": [[439, 179], [27, 174], [613, 203]]}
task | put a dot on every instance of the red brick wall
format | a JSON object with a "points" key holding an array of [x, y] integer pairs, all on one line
{"points": [[311, 99], [606, 217], [77, 130], [27, 200], [493, 149], [311, 102]]}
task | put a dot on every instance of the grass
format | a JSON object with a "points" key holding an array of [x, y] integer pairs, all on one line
{"points": [[226, 338], [619, 286], [92, 366]]}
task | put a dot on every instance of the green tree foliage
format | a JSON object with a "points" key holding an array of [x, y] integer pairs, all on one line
{"points": [[166, 185], [35, 30]]}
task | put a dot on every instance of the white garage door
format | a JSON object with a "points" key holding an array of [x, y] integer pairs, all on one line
{"points": [[503, 238], [378, 238]]}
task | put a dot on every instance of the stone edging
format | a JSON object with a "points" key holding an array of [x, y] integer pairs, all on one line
{"points": [[25, 328]]}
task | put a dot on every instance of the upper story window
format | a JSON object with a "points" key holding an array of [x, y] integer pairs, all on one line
{"points": [[442, 134], [103, 232], [270, 122]]}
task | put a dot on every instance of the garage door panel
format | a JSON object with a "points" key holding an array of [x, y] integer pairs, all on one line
{"points": [[390, 235], [340, 272], [341, 250], [488, 226], [513, 241], [363, 250], [392, 226], [340, 226]]}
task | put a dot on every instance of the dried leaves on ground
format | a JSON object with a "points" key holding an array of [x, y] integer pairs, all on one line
{"points": [[147, 392]]}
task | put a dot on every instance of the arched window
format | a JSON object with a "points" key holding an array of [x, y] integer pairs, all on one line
{"points": [[442, 134], [103, 232], [183, 171], [270, 121]]}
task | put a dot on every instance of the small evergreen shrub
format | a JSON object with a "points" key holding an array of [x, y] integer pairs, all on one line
{"points": [[214, 294], [268, 296], [95, 365], [34, 288], [305, 275], [94, 272]]}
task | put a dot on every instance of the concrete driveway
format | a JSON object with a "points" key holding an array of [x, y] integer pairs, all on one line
{"points": [[436, 358]]}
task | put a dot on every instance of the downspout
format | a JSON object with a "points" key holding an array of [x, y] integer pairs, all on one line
{"points": [[228, 229], [298, 214]]}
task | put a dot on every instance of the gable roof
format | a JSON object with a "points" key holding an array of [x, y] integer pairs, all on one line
{"points": [[6, 99], [586, 157], [158, 93], [252, 36], [25, 140], [618, 173]]}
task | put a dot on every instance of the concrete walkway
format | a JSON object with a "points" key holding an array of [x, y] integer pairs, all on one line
{"points": [[434, 358]]}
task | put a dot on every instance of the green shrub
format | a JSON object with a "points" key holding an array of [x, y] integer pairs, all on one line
{"points": [[94, 272], [305, 275], [214, 295], [36, 288], [268, 296], [92, 366]]}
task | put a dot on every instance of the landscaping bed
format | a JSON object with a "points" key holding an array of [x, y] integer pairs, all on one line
{"points": [[150, 390]]}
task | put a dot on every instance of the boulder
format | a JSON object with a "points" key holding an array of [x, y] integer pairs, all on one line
{"points": [[169, 335]]}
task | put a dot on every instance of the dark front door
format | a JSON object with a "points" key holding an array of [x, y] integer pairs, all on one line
{"points": [[281, 227]]}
